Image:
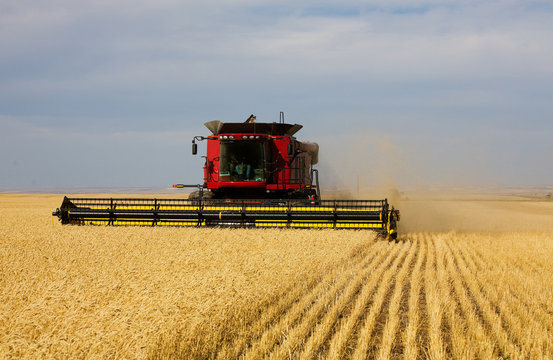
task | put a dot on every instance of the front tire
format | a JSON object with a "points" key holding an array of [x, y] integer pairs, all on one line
{"points": [[195, 195]]}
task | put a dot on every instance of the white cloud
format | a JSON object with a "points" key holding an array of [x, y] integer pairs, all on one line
{"points": [[181, 46], [66, 65]]}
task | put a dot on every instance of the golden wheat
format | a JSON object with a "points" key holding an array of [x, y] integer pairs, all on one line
{"points": [[410, 340], [138, 292]]}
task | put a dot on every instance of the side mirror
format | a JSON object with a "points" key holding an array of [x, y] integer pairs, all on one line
{"points": [[194, 148], [290, 149]]}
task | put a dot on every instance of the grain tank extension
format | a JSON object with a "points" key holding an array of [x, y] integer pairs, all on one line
{"points": [[255, 175]]}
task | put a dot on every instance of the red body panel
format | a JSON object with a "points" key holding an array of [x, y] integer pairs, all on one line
{"points": [[211, 167], [280, 169]]}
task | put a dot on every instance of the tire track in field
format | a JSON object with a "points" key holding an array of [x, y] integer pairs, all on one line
{"points": [[412, 328], [521, 326], [364, 339], [329, 324], [347, 326], [490, 319], [418, 299], [523, 279], [423, 339], [521, 298], [507, 342], [336, 344], [528, 266], [491, 295], [465, 330], [398, 345], [292, 296], [390, 331], [480, 338], [434, 306], [450, 329], [334, 282], [324, 308]]}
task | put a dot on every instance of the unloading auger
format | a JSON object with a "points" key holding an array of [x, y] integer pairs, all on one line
{"points": [[255, 175]]}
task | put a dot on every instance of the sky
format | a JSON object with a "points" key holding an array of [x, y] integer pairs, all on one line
{"points": [[412, 93]]}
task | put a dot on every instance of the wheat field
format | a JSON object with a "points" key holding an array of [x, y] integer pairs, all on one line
{"points": [[477, 284]]}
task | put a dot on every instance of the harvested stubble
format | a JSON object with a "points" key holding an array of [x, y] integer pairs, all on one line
{"points": [[78, 292]]}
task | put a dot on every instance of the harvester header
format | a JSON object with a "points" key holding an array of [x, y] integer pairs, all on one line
{"points": [[255, 175]]}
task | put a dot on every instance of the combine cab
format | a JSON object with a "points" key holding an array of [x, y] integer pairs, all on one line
{"points": [[255, 175]]}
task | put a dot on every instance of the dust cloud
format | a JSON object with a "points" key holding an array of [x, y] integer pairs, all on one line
{"points": [[356, 166], [477, 213], [377, 167]]}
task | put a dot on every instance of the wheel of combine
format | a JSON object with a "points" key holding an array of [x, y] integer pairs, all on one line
{"points": [[298, 195], [195, 195], [304, 194]]}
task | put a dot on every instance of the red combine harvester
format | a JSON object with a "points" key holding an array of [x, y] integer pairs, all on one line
{"points": [[257, 160], [255, 175]]}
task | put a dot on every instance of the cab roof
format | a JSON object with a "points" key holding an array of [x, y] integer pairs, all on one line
{"points": [[276, 129]]}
